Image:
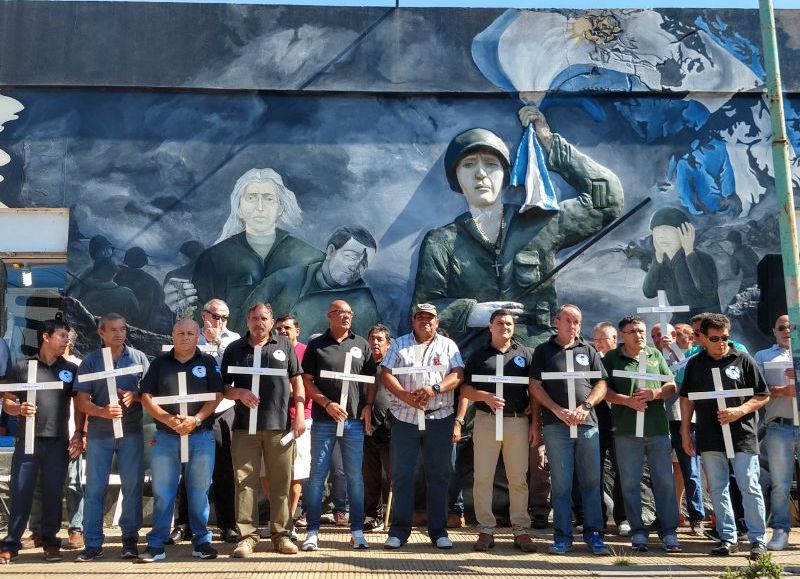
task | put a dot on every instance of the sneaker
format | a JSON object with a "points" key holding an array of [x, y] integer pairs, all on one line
{"points": [[32, 541], [204, 551], [130, 548], [484, 543], [756, 550], [301, 522], [358, 541], [524, 543], [698, 528], [89, 554], [340, 519], [244, 548], [392, 543], [779, 540], [712, 534], [373, 525], [311, 543], [596, 544], [229, 536], [723, 549], [151, 555], [559, 547], [52, 554], [444, 542], [285, 546], [455, 521], [624, 529], [671, 544]]}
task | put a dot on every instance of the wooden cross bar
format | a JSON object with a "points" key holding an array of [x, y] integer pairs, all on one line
{"points": [[345, 376], [498, 379], [419, 368], [642, 377], [570, 376], [256, 371], [662, 309]]}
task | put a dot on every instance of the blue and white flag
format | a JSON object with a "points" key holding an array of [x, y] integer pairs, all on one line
{"points": [[530, 168]]}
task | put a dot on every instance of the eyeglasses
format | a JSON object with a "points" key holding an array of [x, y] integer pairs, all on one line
{"points": [[217, 317], [784, 327], [342, 313], [715, 339]]}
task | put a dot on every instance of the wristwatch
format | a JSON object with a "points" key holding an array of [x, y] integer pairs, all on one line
{"points": [[197, 421], [459, 421], [587, 405], [437, 388]]}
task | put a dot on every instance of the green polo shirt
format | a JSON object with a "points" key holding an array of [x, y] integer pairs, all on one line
{"points": [[656, 422]]}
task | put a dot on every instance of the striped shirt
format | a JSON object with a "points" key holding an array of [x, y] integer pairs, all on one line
{"points": [[402, 354]]}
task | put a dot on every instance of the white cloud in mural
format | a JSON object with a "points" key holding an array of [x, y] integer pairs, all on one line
{"points": [[8, 112]]}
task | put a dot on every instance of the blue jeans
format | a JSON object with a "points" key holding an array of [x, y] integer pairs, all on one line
{"points": [[437, 448], [631, 452], [323, 441], [165, 464], [73, 494], [100, 451], [691, 473], [47, 464], [567, 456], [338, 481], [746, 469], [782, 444]]}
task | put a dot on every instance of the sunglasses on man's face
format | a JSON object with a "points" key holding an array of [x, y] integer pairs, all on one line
{"points": [[217, 317], [784, 327], [715, 339]]}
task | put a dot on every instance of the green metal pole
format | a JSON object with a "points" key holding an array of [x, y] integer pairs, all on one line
{"points": [[783, 182]]}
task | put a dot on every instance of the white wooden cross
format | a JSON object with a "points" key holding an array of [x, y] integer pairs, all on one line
{"points": [[182, 399], [419, 368], [31, 386], [642, 377], [498, 379], [570, 376], [662, 309], [720, 394], [784, 365], [256, 372], [109, 374], [345, 376]]}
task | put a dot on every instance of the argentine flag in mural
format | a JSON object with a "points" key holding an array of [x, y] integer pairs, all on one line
{"points": [[540, 55]]}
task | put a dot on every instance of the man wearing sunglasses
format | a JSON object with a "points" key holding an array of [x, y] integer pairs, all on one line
{"points": [[782, 441], [737, 370]]}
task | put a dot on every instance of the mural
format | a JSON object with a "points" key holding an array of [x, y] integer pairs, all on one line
{"points": [[333, 167]]}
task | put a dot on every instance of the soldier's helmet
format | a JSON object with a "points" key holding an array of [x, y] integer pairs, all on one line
{"points": [[469, 141]]}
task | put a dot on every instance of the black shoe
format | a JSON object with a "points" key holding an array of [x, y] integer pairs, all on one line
{"points": [[540, 522], [756, 550], [724, 548], [204, 551], [179, 534], [711, 533], [229, 536], [152, 554], [89, 554], [130, 548]]}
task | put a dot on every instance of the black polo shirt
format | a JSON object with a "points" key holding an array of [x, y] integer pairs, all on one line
{"points": [[551, 357], [516, 362], [52, 406], [737, 370], [325, 353], [161, 379], [382, 398], [273, 391]]}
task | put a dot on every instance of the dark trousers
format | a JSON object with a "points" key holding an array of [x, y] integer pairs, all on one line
{"points": [[50, 459], [223, 484], [377, 459], [607, 450]]}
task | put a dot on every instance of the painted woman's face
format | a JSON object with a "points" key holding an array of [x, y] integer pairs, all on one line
{"points": [[260, 207]]}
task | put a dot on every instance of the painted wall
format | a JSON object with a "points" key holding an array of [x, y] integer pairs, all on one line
{"points": [[144, 138]]}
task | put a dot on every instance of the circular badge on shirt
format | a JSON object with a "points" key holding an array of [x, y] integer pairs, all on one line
{"points": [[733, 372], [279, 355], [199, 371], [65, 376], [355, 352], [582, 359], [519, 361]]}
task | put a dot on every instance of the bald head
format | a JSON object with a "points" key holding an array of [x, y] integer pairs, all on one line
{"points": [[340, 317], [185, 334]]}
